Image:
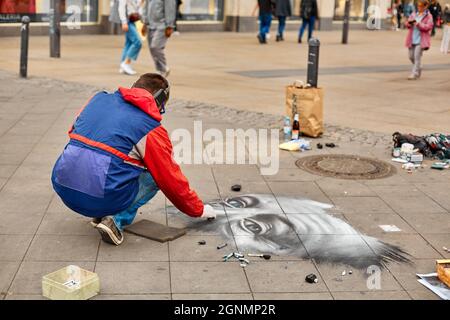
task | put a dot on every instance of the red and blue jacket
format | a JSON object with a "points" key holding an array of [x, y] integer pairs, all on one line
{"points": [[113, 140]]}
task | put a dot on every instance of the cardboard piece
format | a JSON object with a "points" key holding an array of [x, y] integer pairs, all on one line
{"points": [[155, 231], [443, 271]]}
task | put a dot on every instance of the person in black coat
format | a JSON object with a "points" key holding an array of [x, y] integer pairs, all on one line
{"points": [[309, 13], [436, 11], [282, 11]]}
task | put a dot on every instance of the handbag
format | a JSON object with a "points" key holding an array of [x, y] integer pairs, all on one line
{"points": [[134, 17]]}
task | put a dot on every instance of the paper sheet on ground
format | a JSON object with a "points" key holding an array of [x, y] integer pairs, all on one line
{"points": [[432, 282]]}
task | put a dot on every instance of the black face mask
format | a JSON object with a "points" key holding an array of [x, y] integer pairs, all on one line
{"points": [[161, 97]]}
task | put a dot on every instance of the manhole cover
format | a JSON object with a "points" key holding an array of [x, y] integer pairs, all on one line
{"points": [[346, 166]]}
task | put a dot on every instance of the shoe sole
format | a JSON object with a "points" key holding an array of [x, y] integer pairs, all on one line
{"points": [[107, 235]]}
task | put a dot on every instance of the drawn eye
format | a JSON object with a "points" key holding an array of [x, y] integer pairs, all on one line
{"points": [[254, 227]]}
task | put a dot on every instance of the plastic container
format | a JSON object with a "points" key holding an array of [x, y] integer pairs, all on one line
{"points": [[70, 283]]}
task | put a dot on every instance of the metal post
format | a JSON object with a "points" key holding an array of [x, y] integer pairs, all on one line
{"points": [[24, 37], [346, 22], [55, 28], [313, 62]]}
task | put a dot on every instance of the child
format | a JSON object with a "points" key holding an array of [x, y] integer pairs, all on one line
{"points": [[419, 26]]}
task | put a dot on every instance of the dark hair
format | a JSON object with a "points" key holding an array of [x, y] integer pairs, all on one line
{"points": [[152, 82]]}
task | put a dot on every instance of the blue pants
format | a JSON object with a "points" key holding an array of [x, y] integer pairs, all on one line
{"points": [[265, 20], [133, 43], [310, 22], [147, 190], [281, 25]]}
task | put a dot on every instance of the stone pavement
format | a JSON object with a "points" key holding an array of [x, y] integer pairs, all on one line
{"points": [[364, 82], [38, 234]]}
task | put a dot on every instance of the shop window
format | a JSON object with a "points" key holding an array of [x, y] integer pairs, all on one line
{"points": [[201, 10], [37, 10]]}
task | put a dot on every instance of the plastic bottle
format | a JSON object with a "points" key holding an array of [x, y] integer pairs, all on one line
{"points": [[295, 128]]}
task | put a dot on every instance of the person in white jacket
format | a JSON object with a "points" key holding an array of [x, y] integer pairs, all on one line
{"points": [[130, 11]]}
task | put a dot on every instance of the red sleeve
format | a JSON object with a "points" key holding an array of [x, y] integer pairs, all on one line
{"points": [[167, 173], [426, 25]]}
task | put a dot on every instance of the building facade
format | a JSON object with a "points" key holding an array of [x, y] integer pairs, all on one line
{"points": [[91, 16]]}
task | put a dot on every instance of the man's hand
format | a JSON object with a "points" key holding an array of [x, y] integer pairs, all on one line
{"points": [[208, 212], [168, 32], [125, 27]]}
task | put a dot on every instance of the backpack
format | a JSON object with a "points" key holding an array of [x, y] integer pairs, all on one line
{"points": [[307, 9]]}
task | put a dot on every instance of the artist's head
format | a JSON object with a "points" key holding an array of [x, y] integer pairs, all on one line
{"points": [[422, 5], [157, 85], [303, 229]]}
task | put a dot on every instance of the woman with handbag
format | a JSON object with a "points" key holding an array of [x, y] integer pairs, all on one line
{"points": [[130, 11], [419, 26]]}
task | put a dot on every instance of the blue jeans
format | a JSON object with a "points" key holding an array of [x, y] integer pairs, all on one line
{"points": [[310, 22], [133, 43], [147, 190], [265, 20], [281, 25]]}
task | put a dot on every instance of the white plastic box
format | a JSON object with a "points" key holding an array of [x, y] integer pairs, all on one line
{"points": [[70, 283]]}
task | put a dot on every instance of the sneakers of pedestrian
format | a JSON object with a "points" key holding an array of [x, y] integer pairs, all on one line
{"points": [[260, 38], [412, 77], [127, 69], [167, 73], [109, 231], [299, 40], [278, 39]]}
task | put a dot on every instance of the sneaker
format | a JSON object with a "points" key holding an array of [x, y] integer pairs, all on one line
{"points": [[94, 222], [278, 39], [109, 231], [260, 38], [299, 40], [127, 69], [412, 77], [167, 73]]}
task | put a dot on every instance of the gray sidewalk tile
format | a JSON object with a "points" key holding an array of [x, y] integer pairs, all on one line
{"points": [[212, 296], [133, 277], [344, 188], [293, 296], [19, 222], [360, 205], [187, 249], [430, 223], [369, 224], [13, 247], [208, 277], [371, 295], [8, 271], [413, 244], [63, 248], [411, 205]]}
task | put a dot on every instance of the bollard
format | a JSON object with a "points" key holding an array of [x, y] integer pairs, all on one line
{"points": [[24, 39], [55, 29], [346, 25], [313, 62]]}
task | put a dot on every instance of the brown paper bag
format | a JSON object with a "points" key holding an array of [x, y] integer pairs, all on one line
{"points": [[308, 103]]}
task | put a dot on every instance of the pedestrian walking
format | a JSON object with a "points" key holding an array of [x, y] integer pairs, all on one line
{"points": [[419, 26], [408, 9], [126, 13], [159, 18], [436, 11], [309, 13], [282, 11], [445, 44], [399, 7], [266, 9]]}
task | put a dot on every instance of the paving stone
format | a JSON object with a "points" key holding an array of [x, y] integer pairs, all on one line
{"points": [[66, 223], [293, 296], [236, 174], [246, 188], [29, 277], [188, 249], [406, 273], [413, 244], [134, 248], [438, 241], [6, 170], [344, 188], [133, 277], [63, 248], [8, 271], [359, 280], [11, 201], [423, 294], [19, 222], [13, 247], [292, 175], [208, 277], [411, 205], [369, 224], [371, 295], [25, 297], [430, 223], [288, 247], [361, 205], [438, 192], [283, 276], [199, 227], [213, 296], [299, 190]]}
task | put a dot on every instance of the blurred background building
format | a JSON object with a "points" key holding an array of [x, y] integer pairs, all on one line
{"points": [[197, 15]]}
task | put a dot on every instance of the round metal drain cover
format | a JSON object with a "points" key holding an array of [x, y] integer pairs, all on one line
{"points": [[346, 166]]}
